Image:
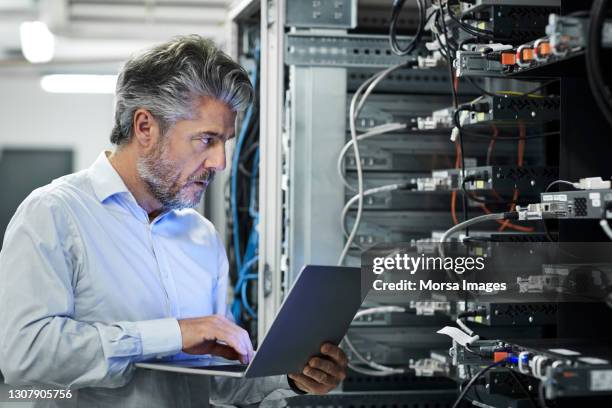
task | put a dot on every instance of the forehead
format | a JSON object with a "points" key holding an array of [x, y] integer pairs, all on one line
{"points": [[212, 112]]}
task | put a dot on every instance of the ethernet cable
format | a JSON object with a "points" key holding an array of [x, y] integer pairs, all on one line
{"points": [[476, 220], [354, 109], [375, 131], [376, 190], [375, 368]]}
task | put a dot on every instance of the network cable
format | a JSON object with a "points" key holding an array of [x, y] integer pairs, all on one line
{"points": [[354, 109], [376, 369], [477, 220], [396, 8], [475, 378], [376, 190], [375, 131], [246, 145]]}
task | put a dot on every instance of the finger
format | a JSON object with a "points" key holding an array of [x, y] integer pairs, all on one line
{"points": [[248, 344], [235, 342], [324, 365], [224, 351], [243, 337], [319, 376], [214, 348], [239, 340], [308, 384], [335, 353]]}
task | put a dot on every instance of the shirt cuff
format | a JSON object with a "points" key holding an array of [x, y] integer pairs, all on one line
{"points": [[160, 337]]}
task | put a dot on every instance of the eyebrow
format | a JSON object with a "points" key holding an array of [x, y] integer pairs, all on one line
{"points": [[212, 134]]}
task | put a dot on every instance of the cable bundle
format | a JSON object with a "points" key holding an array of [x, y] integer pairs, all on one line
{"points": [[243, 205]]}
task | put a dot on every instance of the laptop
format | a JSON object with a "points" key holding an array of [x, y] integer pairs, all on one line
{"points": [[319, 308]]}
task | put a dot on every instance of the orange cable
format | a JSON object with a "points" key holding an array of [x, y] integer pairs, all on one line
{"points": [[520, 160]]}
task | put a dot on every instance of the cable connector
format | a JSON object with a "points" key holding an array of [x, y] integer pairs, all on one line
{"points": [[592, 183], [481, 107], [454, 134], [530, 212]]}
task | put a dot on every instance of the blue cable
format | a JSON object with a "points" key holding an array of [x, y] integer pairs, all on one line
{"points": [[245, 301], [234, 173], [244, 264], [254, 173], [242, 274]]}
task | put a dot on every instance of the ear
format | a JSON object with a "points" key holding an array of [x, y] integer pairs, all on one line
{"points": [[146, 128]]}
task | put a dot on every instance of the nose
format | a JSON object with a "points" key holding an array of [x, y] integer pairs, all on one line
{"points": [[216, 159]]}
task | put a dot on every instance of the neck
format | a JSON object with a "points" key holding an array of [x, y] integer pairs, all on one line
{"points": [[124, 161]]}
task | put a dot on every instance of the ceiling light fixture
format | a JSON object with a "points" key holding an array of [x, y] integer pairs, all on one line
{"points": [[37, 42], [85, 84]]}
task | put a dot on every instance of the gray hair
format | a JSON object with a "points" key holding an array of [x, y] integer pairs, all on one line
{"points": [[167, 79]]}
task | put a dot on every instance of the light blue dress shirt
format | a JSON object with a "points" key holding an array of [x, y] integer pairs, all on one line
{"points": [[89, 286]]}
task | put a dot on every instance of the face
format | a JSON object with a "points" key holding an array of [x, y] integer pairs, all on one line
{"points": [[178, 166]]}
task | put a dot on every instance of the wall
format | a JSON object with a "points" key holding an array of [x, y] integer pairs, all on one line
{"points": [[30, 116]]}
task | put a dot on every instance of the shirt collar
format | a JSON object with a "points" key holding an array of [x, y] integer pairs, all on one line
{"points": [[104, 178]]}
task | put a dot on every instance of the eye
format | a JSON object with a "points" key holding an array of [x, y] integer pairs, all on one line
{"points": [[206, 140]]}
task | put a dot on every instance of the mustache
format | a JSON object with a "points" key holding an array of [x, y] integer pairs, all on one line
{"points": [[206, 177]]}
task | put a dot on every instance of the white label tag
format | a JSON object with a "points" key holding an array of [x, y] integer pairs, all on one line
{"points": [[560, 197], [594, 196], [601, 380], [564, 352], [458, 335], [593, 360]]}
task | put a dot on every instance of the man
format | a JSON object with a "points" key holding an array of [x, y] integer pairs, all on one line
{"points": [[111, 265]]}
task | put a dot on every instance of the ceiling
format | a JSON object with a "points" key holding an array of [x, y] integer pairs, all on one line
{"points": [[94, 36]]}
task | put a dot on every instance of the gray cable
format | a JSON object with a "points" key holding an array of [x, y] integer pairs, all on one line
{"points": [[376, 190], [465, 224], [353, 113], [378, 369], [375, 131]]}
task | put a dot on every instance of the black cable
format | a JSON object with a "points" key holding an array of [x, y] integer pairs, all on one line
{"points": [[599, 88], [395, 12], [474, 379], [533, 402], [475, 31]]}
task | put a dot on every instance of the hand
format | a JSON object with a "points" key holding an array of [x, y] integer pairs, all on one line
{"points": [[322, 374], [216, 335]]}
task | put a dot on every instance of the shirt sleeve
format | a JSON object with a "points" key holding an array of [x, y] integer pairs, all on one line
{"points": [[221, 286], [40, 341]]}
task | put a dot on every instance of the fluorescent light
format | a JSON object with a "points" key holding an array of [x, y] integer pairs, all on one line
{"points": [[37, 42], [87, 84]]}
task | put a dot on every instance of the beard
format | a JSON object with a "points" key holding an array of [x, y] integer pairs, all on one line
{"points": [[162, 177]]}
